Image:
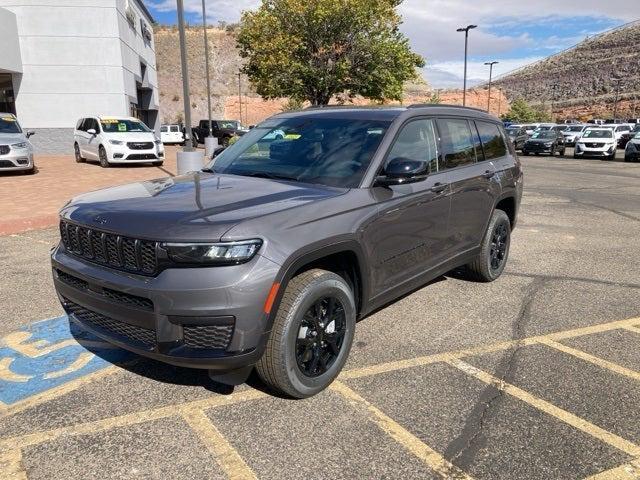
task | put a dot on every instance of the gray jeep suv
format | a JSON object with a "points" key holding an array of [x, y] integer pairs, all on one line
{"points": [[268, 256]]}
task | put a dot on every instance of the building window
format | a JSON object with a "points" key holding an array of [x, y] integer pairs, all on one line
{"points": [[7, 100]]}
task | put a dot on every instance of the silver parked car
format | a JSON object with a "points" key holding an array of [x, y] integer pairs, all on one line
{"points": [[16, 151]]}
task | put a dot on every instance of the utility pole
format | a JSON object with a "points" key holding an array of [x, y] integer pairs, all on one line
{"points": [[466, 43], [615, 105], [553, 98], [206, 63], [188, 144], [491, 64], [240, 95], [499, 100]]}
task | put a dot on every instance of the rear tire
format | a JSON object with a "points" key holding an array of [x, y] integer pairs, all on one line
{"points": [[494, 250], [102, 155], [78, 155], [314, 302]]}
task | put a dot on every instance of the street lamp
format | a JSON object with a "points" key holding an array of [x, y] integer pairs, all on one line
{"points": [[210, 143], [240, 95], [491, 64], [466, 42], [189, 159], [615, 105]]}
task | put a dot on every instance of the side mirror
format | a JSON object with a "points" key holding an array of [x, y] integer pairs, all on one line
{"points": [[403, 170], [30, 133], [91, 131]]}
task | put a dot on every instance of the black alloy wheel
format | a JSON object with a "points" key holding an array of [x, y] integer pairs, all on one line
{"points": [[320, 336], [499, 243]]}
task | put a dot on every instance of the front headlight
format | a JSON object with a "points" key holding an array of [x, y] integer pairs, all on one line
{"points": [[222, 253], [19, 146], [116, 142]]}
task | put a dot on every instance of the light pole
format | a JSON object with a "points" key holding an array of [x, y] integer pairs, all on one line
{"points": [[189, 159], [466, 43], [240, 95], [210, 142], [615, 105], [491, 64], [553, 98]]}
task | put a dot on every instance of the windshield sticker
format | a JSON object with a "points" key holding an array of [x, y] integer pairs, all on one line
{"points": [[109, 120], [122, 127]]}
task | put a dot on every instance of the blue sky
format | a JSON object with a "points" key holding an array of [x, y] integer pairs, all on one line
{"points": [[513, 32]]}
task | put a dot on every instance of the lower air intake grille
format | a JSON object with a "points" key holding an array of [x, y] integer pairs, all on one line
{"points": [[208, 336], [131, 332]]}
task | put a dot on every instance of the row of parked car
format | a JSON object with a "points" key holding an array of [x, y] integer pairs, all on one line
{"points": [[588, 140]]}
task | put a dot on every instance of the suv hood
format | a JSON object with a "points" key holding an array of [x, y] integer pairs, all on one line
{"points": [[193, 207], [9, 138]]}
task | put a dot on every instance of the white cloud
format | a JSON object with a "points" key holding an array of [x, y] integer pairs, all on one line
{"points": [[431, 26]]}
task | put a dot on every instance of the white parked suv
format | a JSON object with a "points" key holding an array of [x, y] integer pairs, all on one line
{"points": [[116, 140], [16, 151], [171, 134], [596, 142]]}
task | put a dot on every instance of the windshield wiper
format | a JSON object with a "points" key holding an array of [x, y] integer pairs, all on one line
{"points": [[271, 176]]}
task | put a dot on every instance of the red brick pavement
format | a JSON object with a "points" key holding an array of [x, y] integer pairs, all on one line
{"points": [[32, 201]]}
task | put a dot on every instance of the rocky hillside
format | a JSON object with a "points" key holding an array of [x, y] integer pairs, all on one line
{"points": [[225, 64], [580, 81]]}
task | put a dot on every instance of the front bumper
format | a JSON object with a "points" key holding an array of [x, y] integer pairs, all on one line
{"points": [[16, 160], [210, 318], [581, 151], [536, 149], [123, 154]]}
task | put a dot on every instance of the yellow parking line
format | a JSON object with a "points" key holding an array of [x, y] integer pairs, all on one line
{"points": [[562, 415], [629, 471], [614, 367], [227, 457], [11, 465], [126, 419], [632, 328], [49, 395], [406, 439], [483, 349]]}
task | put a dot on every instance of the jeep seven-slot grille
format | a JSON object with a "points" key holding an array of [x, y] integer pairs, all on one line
{"points": [[113, 295], [208, 336], [111, 325], [116, 251]]}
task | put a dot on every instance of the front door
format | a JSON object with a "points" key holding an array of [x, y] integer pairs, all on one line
{"points": [[93, 140], [409, 235]]}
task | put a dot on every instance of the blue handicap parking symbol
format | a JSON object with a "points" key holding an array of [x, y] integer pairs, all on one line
{"points": [[48, 354]]}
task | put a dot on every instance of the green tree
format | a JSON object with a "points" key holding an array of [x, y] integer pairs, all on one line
{"points": [[522, 112], [313, 50], [435, 97]]}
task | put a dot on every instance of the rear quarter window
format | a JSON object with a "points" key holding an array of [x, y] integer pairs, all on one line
{"points": [[492, 140]]}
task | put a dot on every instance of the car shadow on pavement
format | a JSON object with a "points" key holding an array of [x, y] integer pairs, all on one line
{"points": [[160, 371]]}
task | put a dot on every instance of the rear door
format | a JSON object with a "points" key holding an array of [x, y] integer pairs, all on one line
{"points": [[409, 235], [473, 177], [81, 136]]}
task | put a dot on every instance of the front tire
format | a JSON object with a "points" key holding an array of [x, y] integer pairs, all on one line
{"points": [[494, 250], [311, 336], [78, 155], [102, 155]]}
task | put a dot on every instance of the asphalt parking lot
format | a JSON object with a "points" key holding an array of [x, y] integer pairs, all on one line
{"points": [[534, 376]]}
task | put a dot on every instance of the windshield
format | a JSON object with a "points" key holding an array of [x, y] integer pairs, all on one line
{"points": [[123, 126], [330, 151], [543, 134], [544, 127], [231, 124], [574, 129], [598, 134], [9, 125], [560, 128], [513, 131]]}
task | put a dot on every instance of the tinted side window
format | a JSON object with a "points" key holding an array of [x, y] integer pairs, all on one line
{"points": [[417, 141], [492, 141], [456, 142], [164, 128]]}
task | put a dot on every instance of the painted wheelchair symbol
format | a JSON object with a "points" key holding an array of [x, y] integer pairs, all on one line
{"points": [[48, 354]]}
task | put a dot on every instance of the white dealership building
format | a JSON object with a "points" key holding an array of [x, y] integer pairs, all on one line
{"points": [[62, 60]]}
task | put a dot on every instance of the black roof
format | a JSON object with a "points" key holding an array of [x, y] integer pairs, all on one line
{"points": [[388, 113]]}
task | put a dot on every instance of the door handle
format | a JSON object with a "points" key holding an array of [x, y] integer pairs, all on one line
{"points": [[439, 187], [489, 174]]}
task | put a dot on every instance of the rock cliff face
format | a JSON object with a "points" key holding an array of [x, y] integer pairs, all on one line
{"points": [[580, 82]]}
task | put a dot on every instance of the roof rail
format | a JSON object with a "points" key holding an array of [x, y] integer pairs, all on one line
{"points": [[424, 105]]}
